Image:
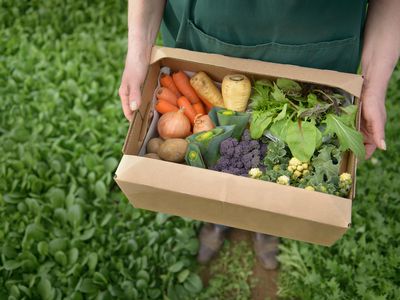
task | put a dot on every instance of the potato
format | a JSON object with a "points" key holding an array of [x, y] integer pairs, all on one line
{"points": [[153, 145], [173, 150], [152, 155]]}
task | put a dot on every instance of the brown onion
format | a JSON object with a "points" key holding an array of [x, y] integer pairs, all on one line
{"points": [[202, 123], [174, 124]]}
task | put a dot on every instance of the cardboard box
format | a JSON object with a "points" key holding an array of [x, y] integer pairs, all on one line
{"points": [[222, 198]]}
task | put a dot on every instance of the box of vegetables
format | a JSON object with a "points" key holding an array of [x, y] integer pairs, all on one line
{"points": [[264, 147]]}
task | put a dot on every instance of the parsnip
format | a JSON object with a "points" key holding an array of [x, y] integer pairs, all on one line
{"points": [[236, 91], [206, 89]]}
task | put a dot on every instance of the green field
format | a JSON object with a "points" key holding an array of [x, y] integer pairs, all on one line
{"points": [[66, 231]]}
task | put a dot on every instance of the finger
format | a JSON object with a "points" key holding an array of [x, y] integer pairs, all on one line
{"points": [[369, 150], [135, 98], [124, 96], [378, 132]]}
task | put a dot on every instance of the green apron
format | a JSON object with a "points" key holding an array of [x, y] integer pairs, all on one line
{"points": [[312, 33]]}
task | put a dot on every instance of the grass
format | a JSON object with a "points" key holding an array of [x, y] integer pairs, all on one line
{"points": [[231, 273]]}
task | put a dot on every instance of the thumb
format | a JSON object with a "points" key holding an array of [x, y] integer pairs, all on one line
{"points": [[374, 116], [135, 97]]}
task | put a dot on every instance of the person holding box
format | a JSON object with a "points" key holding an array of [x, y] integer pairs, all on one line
{"points": [[333, 34]]}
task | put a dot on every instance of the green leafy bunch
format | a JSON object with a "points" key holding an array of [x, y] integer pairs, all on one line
{"points": [[304, 116]]}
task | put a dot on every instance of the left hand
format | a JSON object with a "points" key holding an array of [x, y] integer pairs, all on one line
{"points": [[373, 115]]}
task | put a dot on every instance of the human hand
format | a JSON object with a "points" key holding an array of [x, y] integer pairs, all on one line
{"points": [[132, 79], [373, 115]]}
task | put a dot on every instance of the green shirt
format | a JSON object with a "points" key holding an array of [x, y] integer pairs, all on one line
{"points": [[313, 33]]}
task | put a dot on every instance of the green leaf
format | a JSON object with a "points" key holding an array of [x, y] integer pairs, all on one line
{"points": [[193, 284], [323, 164], [45, 289], [87, 286], [11, 265], [75, 215], [301, 139], [161, 218], [100, 190], [259, 123], [43, 248], [56, 196], [349, 114], [73, 255], [106, 219], [349, 138], [92, 261], [61, 258], [59, 244], [282, 114], [110, 164], [278, 95], [279, 129], [87, 234], [183, 275], [99, 278], [176, 267], [289, 86]]}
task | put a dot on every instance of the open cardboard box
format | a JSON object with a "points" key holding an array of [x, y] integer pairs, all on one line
{"points": [[227, 199]]}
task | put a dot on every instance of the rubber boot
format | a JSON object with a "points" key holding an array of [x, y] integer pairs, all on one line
{"points": [[266, 249], [211, 238]]}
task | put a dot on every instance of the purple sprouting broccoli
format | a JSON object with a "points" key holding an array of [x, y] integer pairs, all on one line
{"points": [[227, 147], [246, 137], [239, 157]]}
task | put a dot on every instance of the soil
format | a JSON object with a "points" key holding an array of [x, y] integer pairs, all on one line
{"points": [[266, 286]]}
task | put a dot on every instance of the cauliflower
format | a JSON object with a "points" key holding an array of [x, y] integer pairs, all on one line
{"points": [[345, 182], [297, 168], [255, 173], [345, 178], [284, 180]]}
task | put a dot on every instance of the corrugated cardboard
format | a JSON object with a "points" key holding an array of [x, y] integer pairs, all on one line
{"points": [[223, 198]]}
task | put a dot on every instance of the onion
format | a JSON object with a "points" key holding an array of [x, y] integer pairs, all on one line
{"points": [[202, 123], [174, 124]]}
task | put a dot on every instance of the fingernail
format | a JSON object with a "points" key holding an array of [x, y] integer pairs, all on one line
{"points": [[383, 145], [133, 106]]}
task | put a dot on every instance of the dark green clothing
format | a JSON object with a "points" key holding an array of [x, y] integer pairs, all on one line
{"points": [[320, 34]]}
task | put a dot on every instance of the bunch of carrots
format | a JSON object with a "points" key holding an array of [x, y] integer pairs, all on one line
{"points": [[176, 93]]}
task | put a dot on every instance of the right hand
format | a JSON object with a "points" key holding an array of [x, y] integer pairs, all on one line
{"points": [[132, 79]]}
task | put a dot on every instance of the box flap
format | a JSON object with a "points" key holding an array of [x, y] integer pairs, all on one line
{"points": [[350, 83]]}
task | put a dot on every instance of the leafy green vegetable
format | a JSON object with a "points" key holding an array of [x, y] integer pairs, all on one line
{"points": [[349, 138], [301, 138], [260, 121]]}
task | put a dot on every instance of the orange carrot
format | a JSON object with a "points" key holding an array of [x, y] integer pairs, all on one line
{"points": [[199, 108], [163, 106], [188, 109], [167, 95], [182, 82], [168, 82]]}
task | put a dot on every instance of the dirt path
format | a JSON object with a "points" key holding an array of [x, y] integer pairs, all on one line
{"points": [[266, 280]]}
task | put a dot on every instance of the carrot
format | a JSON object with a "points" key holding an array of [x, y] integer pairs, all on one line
{"points": [[167, 95], [163, 106], [188, 109], [168, 82], [199, 108], [182, 82]]}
